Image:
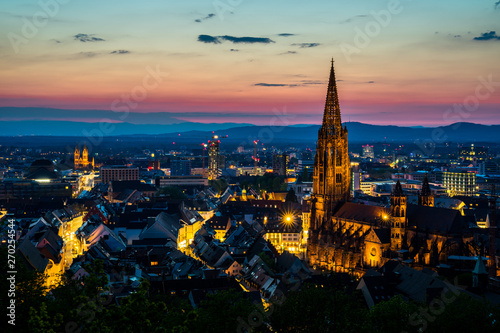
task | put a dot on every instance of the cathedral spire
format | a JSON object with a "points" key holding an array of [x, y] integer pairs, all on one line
{"points": [[331, 117], [425, 198], [426, 190], [398, 190]]}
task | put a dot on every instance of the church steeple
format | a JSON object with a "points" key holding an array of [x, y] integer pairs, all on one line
{"points": [[331, 180], [332, 123], [425, 197], [426, 190], [398, 190]]}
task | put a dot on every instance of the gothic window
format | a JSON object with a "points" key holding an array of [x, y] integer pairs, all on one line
{"points": [[338, 178], [339, 157], [402, 212]]}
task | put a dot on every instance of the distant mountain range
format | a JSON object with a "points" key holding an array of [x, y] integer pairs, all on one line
{"points": [[73, 128], [170, 128], [358, 132], [366, 133]]}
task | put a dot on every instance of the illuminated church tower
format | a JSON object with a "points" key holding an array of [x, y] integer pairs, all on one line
{"points": [[331, 180], [398, 217], [77, 155]]}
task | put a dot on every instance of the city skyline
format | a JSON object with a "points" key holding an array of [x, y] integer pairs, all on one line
{"points": [[402, 63]]}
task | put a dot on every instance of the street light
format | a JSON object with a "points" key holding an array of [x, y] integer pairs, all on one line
{"points": [[288, 219]]}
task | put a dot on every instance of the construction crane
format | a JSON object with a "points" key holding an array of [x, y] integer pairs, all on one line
{"points": [[255, 157], [204, 145]]}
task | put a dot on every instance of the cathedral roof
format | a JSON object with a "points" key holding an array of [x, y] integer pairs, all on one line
{"points": [[360, 212], [435, 219], [379, 235]]}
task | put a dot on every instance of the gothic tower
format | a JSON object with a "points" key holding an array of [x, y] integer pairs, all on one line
{"points": [[77, 156], [331, 179], [425, 198], [85, 154], [398, 217]]}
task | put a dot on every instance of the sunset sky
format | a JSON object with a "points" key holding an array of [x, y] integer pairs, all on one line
{"points": [[250, 61]]}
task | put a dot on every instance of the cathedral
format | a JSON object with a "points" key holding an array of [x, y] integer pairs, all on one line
{"points": [[352, 237], [82, 160]]}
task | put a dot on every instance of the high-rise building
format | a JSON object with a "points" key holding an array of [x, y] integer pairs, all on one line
{"points": [[331, 180], [213, 158], [306, 169], [280, 162], [488, 168]]}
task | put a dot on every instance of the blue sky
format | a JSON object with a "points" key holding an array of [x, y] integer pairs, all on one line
{"points": [[238, 61]]}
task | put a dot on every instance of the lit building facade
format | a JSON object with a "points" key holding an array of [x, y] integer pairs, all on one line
{"points": [[186, 236], [473, 154], [460, 183], [114, 173], [285, 234]]}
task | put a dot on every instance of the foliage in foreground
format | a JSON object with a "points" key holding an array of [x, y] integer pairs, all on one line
{"points": [[80, 306]]}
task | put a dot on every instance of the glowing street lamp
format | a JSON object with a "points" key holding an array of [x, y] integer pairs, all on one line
{"points": [[288, 219]]}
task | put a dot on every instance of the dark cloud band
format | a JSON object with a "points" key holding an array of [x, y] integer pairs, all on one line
{"points": [[87, 38], [234, 40], [492, 35]]}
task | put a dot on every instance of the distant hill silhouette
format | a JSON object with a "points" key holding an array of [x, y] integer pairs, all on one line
{"points": [[53, 122], [243, 133], [359, 132]]}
